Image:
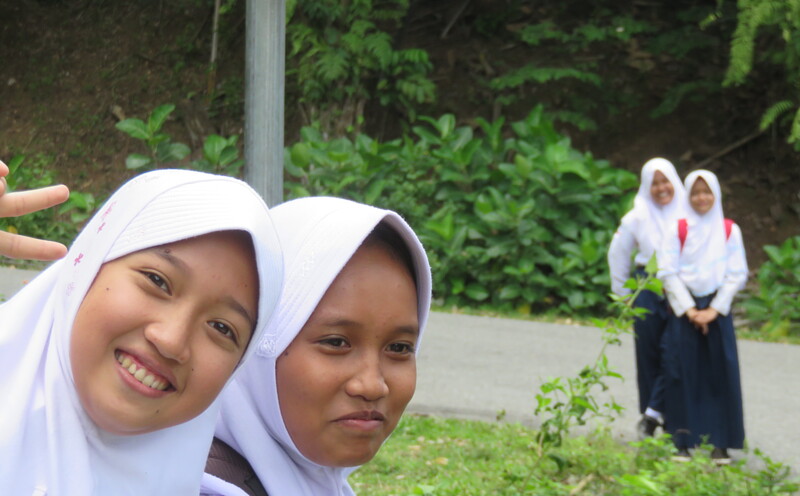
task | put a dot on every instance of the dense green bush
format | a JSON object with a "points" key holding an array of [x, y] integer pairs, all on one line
{"points": [[774, 305], [513, 217]]}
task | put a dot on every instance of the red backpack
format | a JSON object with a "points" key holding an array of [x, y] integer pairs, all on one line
{"points": [[683, 228]]}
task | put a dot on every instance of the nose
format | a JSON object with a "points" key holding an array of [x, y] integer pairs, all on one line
{"points": [[368, 380], [171, 338]]}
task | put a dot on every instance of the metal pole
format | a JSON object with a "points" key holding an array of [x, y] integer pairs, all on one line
{"points": [[265, 67]]}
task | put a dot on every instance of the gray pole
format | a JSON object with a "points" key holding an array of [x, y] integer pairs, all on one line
{"points": [[264, 87]]}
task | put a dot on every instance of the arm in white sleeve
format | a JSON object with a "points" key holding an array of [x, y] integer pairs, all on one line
{"points": [[735, 273], [620, 252], [669, 254]]}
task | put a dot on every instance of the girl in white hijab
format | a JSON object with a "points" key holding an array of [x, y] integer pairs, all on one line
{"points": [[111, 359], [336, 366], [659, 203], [703, 265]]}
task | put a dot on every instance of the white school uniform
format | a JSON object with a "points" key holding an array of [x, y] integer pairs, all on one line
{"points": [[642, 228], [709, 261]]}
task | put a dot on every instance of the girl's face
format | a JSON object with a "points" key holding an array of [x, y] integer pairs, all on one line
{"points": [[661, 189], [161, 330], [345, 380], [701, 197]]}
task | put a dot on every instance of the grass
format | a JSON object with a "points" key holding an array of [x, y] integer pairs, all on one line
{"points": [[441, 457]]}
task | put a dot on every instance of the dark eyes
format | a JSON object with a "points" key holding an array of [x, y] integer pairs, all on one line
{"points": [[223, 329], [339, 343], [158, 281], [401, 348]]}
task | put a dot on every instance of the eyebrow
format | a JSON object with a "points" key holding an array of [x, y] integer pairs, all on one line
{"points": [[342, 322], [230, 301]]}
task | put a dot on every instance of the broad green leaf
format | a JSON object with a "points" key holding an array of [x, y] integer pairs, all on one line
{"points": [[213, 146], [158, 117], [136, 161], [135, 128]]}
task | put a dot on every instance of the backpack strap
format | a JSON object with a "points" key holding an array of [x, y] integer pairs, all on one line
{"points": [[728, 227], [683, 227], [227, 464]]}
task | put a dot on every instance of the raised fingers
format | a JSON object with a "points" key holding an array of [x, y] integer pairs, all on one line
{"points": [[24, 247], [25, 202]]}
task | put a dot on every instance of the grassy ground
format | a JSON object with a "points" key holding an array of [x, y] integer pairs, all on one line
{"points": [[438, 457]]}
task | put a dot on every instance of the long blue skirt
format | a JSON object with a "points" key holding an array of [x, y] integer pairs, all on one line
{"points": [[649, 330], [703, 390]]}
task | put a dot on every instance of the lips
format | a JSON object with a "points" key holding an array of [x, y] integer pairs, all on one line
{"points": [[141, 373], [364, 415]]}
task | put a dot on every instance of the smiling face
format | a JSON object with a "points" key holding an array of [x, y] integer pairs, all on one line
{"points": [[661, 189], [345, 380], [701, 197], [161, 330]]}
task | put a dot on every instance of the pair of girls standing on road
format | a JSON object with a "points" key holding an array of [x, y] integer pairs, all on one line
{"points": [[687, 364]]}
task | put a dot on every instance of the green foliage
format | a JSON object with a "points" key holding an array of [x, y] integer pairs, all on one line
{"points": [[446, 457], [58, 224], [220, 155], [775, 303], [513, 223], [776, 25], [565, 402], [162, 149], [341, 55]]}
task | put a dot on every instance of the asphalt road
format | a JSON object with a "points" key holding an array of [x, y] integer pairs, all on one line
{"points": [[476, 367]]}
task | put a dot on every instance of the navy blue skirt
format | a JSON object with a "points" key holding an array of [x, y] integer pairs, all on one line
{"points": [[649, 330], [703, 392]]}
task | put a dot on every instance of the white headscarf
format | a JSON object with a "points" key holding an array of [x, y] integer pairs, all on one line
{"points": [[48, 444], [703, 259], [319, 236], [654, 220]]}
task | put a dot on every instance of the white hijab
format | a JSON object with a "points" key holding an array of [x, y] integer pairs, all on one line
{"points": [[653, 220], [48, 444], [319, 236], [703, 259]]}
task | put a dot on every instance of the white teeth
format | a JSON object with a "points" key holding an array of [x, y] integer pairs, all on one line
{"points": [[141, 374]]}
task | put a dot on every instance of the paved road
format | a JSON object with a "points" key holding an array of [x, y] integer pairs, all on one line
{"points": [[476, 367]]}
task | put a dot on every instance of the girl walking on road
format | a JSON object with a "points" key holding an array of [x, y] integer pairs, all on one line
{"points": [[658, 205], [702, 263]]}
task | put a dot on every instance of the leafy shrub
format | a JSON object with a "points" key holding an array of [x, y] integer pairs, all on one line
{"points": [[340, 55], [219, 155], [775, 303], [776, 22], [513, 223], [58, 224]]}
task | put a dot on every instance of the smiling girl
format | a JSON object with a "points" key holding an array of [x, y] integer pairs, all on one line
{"points": [[702, 263], [111, 359], [659, 203], [337, 365]]}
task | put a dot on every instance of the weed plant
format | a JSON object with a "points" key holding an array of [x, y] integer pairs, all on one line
{"points": [[448, 457]]}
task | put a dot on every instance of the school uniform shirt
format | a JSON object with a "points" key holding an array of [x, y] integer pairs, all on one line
{"points": [[48, 443], [642, 228], [319, 236], [709, 262]]}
